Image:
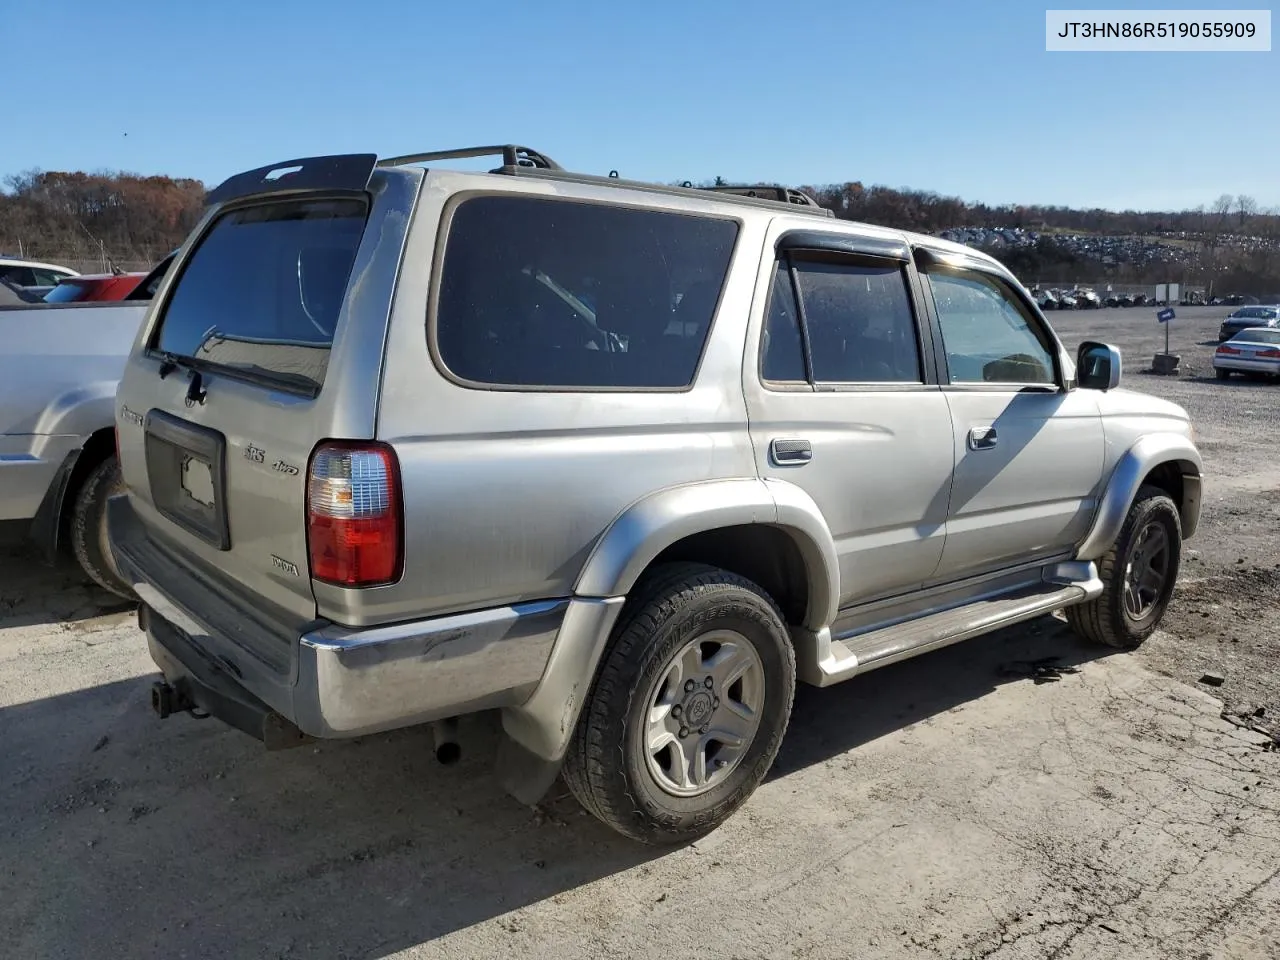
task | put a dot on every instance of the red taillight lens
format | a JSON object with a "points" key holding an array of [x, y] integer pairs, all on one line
{"points": [[1226, 349], [353, 515], [1272, 354]]}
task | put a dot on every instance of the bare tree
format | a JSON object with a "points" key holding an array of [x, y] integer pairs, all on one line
{"points": [[1246, 207]]}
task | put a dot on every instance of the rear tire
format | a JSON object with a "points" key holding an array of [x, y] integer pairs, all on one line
{"points": [[1221, 374], [89, 528], [697, 652], [1138, 575]]}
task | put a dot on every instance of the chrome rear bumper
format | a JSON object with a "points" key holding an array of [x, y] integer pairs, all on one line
{"points": [[335, 681]]}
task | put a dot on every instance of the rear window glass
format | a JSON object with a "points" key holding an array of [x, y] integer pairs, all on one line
{"points": [[556, 293], [1258, 336], [67, 292], [262, 291]]}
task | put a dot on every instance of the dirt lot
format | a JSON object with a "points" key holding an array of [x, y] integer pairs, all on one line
{"points": [[1022, 795]]}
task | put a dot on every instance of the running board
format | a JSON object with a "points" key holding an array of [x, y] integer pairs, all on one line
{"points": [[823, 661]]}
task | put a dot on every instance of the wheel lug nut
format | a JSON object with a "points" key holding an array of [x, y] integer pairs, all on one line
{"points": [[705, 728], [689, 685], [715, 702], [675, 711], [684, 732], [708, 683]]}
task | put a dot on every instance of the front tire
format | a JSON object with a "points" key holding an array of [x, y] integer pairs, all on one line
{"points": [[688, 708], [1138, 574], [89, 528]]}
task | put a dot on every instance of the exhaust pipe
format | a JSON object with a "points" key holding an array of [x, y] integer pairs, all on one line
{"points": [[445, 734]]}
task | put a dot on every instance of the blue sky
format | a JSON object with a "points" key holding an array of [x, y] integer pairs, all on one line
{"points": [[956, 97]]}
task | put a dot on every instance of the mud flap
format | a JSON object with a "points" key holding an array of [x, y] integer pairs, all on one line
{"points": [[523, 774]]}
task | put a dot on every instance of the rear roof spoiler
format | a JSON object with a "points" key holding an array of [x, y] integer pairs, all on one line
{"points": [[343, 173]]}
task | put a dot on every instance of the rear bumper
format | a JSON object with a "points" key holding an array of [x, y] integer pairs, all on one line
{"points": [[1247, 366], [339, 682]]}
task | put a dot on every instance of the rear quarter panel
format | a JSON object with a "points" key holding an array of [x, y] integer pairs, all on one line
{"points": [[506, 492]]}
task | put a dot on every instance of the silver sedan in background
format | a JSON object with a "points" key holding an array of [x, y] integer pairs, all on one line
{"points": [[1255, 350]]}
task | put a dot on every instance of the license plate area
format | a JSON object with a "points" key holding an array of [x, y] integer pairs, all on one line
{"points": [[187, 472]]}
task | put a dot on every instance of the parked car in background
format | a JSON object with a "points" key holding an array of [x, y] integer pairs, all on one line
{"points": [[59, 365], [1088, 300], [320, 423], [1141, 300], [1246, 317], [1046, 299], [1067, 302], [1253, 350], [34, 276], [88, 288]]}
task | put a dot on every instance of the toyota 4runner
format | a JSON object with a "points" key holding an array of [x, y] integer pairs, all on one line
{"points": [[622, 462]]}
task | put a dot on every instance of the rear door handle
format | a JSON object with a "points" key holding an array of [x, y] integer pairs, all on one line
{"points": [[790, 451], [982, 438]]}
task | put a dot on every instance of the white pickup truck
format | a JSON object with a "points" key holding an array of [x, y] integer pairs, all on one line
{"points": [[59, 366]]}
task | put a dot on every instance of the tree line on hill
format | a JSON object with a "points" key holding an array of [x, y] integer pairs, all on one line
{"points": [[114, 217], [124, 217]]}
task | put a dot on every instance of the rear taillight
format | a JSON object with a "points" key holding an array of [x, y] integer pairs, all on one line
{"points": [[1226, 349], [353, 515], [1271, 354]]}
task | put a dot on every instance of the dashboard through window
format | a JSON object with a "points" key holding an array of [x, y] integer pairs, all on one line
{"points": [[988, 335]]}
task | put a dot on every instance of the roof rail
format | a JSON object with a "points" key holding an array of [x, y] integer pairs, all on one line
{"points": [[512, 155], [761, 198], [768, 192], [526, 161]]}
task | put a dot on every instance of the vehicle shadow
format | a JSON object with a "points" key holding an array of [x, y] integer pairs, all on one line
{"points": [[128, 836], [34, 592]]}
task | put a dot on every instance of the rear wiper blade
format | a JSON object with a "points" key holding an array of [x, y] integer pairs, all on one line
{"points": [[170, 362]]}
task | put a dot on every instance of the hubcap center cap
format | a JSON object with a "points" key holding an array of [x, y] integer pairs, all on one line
{"points": [[697, 708]]}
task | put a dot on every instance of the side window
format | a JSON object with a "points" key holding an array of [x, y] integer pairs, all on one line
{"points": [[782, 352], [19, 276], [987, 334], [573, 295], [859, 322], [46, 278]]}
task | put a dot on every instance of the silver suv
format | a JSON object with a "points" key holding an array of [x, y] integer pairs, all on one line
{"points": [[621, 462]]}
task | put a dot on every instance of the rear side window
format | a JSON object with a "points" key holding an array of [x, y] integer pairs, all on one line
{"points": [[563, 294], [858, 319], [262, 291]]}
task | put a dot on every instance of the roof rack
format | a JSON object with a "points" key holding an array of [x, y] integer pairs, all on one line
{"points": [[767, 192], [512, 155], [525, 161]]}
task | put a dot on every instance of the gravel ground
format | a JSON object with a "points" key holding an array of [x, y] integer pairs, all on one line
{"points": [[1022, 795]]}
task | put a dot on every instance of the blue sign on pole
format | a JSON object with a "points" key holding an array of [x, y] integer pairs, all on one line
{"points": [[1165, 315]]}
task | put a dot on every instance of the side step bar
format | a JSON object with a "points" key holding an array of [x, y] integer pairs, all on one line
{"points": [[823, 661]]}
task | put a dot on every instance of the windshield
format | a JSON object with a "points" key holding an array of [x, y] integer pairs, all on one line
{"points": [[262, 291], [1254, 313], [67, 292]]}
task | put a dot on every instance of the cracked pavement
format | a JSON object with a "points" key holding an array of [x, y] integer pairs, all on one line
{"points": [[1023, 795]]}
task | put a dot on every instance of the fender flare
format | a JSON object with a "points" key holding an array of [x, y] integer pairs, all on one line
{"points": [[1133, 467], [652, 524], [539, 729], [79, 413]]}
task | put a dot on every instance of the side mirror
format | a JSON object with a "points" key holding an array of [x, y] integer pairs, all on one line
{"points": [[1098, 366]]}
